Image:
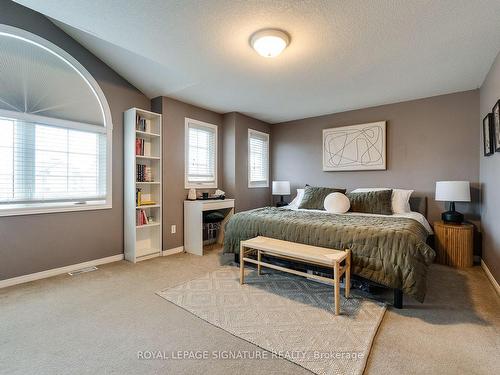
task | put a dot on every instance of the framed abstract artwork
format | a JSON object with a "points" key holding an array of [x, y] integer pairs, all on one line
{"points": [[496, 125], [355, 148], [488, 139]]}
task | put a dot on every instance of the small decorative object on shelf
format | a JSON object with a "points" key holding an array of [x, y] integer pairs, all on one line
{"points": [[454, 244], [452, 191], [281, 188]]}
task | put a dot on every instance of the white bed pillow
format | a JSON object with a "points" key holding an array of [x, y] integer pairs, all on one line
{"points": [[400, 198], [295, 203], [337, 203]]}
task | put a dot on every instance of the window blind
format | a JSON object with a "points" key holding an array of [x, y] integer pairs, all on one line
{"points": [[258, 159], [45, 163], [201, 160]]}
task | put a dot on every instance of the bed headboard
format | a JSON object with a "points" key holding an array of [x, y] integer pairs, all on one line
{"points": [[419, 204]]}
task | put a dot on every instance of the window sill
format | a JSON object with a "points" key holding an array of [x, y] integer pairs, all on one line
{"points": [[26, 209], [254, 186], [200, 186]]}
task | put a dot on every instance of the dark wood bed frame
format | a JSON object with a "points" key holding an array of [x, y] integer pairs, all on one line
{"points": [[418, 204]]}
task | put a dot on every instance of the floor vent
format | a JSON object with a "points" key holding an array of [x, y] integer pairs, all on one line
{"points": [[83, 270]]}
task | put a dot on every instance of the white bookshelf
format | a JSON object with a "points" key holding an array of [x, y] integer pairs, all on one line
{"points": [[142, 240]]}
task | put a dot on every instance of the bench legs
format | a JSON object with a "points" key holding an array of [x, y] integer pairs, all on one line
{"points": [[337, 274], [336, 277], [242, 265], [259, 266], [347, 279]]}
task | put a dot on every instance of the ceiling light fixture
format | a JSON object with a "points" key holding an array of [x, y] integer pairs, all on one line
{"points": [[269, 42]]}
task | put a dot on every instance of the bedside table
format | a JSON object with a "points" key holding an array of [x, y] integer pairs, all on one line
{"points": [[454, 244]]}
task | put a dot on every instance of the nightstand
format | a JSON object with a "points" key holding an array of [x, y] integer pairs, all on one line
{"points": [[454, 244]]}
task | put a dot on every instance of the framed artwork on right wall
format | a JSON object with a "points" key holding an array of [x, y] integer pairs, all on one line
{"points": [[496, 126], [488, 139]]}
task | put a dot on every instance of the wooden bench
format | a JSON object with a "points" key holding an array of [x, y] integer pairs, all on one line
{"points": [[299, 252]]}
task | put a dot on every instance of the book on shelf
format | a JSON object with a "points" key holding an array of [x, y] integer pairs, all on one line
{"points": [[142, 147], [141, 218], [147, 202], [142, 124], [138, 146], [144, 173], [143, 199], [138, 195]]}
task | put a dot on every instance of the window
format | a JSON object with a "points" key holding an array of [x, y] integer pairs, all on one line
{"points": [[258, 159], [44, 163], [55, 130], [201, 154]]}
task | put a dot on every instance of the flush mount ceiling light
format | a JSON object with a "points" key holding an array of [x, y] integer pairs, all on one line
{"points": [[269, 42]]}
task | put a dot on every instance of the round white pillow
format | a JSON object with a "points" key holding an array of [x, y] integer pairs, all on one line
{"points": [[337, 203]]}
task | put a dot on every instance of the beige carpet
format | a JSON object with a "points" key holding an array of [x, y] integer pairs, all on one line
{"points": [[289, 316], [96, 323]]}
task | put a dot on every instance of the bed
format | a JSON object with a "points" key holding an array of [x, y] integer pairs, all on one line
{"points": [[390, 250]]}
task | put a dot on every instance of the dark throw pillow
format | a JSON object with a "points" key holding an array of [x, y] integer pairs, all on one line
{"points": [[371, 202], [314, 197]]}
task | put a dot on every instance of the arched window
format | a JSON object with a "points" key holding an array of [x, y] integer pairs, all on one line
{"points": [[55, 130]]}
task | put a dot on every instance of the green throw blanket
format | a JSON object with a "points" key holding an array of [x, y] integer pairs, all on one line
{"points": [[391, 251]]}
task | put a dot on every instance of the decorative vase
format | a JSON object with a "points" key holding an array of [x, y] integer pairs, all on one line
{"points": [[192, 194]]}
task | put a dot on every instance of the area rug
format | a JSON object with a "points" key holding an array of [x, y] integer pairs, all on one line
{"points": [[289, 316]]}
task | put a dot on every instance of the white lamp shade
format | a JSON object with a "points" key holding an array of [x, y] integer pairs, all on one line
{"points": [[281, 187], [453, 191]]}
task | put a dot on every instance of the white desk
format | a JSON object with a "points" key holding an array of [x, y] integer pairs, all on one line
{"points": [[193, 222]]}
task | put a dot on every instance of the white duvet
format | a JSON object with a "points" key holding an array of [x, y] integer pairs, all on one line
{"points": [[410, 215]]}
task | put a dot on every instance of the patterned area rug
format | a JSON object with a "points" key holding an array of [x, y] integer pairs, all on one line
{"points": [[289, 316]]}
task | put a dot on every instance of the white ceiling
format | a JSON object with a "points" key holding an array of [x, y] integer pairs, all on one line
{"points": [[343, 55]]}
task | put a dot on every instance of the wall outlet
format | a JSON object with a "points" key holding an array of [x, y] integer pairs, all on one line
{"points": [[173, 229]]}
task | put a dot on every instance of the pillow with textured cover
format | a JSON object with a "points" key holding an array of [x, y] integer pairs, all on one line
{"points": [[371, 202], [314, 197], [400, 198]]}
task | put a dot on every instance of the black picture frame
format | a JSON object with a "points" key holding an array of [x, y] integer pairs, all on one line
{"points": [[496, 125], [488, 139]]}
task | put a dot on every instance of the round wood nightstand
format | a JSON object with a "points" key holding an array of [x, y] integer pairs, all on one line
{"points": [[454, 244]]}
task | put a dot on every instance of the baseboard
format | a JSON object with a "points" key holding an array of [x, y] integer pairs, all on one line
{"points": [[175, 250], [58, 271], [490, 276]]}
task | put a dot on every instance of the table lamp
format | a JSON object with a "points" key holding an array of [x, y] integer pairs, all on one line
{"points": [[281, 188], [452, 191]]}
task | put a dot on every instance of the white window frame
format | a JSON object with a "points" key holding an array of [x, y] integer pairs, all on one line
{"points": [[51, 207], [199, 185], [258, 184]]}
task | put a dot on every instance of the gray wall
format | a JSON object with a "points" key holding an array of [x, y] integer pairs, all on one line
{"points": [[427, 140], [232, 161], [228, 154], [235, 153], [34, 243], [490, 177], [174, 112]]}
